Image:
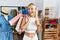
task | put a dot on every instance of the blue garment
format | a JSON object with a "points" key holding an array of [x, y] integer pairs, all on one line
{"points": [[5, 29], [10, 16]]}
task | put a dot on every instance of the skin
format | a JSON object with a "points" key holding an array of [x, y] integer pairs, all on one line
{"points": [[32, 10], [32, 13]]}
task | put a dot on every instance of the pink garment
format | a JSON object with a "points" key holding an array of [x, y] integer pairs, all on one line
{"points": [[15, 19]]}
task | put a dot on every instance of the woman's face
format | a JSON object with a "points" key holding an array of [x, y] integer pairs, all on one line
{"points": [[32, 9]]}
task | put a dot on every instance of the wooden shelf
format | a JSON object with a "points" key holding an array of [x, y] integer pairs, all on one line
{"points": [[50, 33]]}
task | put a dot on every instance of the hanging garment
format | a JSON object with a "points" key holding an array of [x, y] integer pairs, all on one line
{"points": [[5, 29]]}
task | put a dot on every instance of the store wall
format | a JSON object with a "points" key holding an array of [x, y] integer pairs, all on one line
{"points": [[52, 4], [58, 7], [0, 2], [39, 3]]}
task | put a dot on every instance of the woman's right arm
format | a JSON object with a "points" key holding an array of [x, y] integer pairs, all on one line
{"points": [[24, 24]]}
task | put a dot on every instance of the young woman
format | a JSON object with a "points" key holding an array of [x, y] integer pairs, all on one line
{"points": [[30, 23]]}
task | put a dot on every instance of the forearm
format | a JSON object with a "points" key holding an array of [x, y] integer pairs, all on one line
{"points": [[24, 26], [39, 28]]}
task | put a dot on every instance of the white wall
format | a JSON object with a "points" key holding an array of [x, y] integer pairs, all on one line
{"points": [[0, 3], [16, 2], [58, 8], [39, 3], [52, 3]]}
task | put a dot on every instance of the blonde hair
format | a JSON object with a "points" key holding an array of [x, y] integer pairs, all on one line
{"points": [[31, 4], [36, 8]]}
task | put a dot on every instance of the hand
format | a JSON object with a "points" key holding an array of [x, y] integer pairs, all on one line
{"points": [[19, 32]]}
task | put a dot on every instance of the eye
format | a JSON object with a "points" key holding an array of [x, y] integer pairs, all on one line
{"points": [[31, 8]]}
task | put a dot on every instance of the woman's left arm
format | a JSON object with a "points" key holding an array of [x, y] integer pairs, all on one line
{"points": [[39, 27]]}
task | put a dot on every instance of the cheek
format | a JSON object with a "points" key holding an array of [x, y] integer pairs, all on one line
{"points": [[30, 11], [33, 11]]}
